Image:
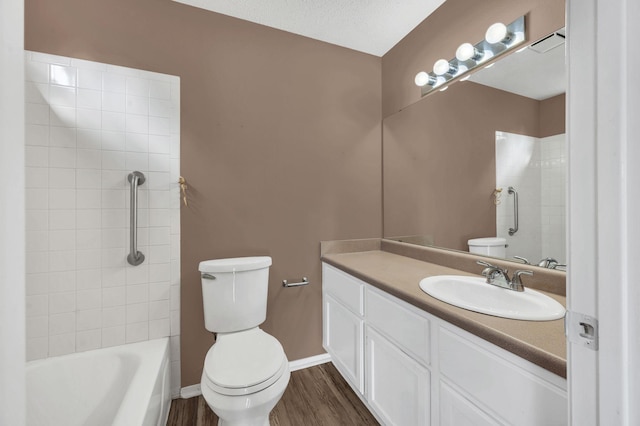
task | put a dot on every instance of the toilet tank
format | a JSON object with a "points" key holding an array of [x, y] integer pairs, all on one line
{"points": [[234, 292], [489, 246]]}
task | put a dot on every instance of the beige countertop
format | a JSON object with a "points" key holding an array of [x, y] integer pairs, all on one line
{"points": [[540, 342]]}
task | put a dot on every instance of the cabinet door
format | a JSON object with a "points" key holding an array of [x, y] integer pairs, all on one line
{"points": [[456, 410], [397, 386], [343, 340]]}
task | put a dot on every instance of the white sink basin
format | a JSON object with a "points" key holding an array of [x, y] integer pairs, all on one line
{"points": [[474, 294]]}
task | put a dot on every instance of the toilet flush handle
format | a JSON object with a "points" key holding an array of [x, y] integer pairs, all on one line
{"points": [[206, 276]]}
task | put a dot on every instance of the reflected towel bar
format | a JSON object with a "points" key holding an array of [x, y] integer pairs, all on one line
{"points": [[515, 210], [134, 258]]}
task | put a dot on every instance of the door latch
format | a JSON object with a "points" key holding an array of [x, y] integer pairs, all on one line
{"points": [[581, 329]]}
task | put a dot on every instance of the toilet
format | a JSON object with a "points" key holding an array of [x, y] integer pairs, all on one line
{"points": [[246, 371], [488, 246]]}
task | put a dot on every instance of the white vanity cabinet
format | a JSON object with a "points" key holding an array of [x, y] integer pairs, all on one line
{"points": [[412, 368], [343, 324]]}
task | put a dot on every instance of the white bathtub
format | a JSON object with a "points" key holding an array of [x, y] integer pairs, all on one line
{"points": [[122, 385]]}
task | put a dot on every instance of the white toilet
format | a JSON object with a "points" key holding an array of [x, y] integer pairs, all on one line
{"points": [[246, 371], [489, 246]]}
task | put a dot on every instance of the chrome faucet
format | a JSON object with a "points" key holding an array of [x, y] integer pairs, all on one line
{"points": [[500, 277]]}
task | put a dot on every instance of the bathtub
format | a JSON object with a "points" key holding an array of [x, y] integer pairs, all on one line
{"points": [[121, 385]]}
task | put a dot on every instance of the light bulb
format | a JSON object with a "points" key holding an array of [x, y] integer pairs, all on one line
{"points": [[496, 33], [465, 52], [441, 67], [422, 79]]}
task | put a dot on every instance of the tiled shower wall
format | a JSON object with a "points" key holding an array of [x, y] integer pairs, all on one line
{"points": [[88, 125], [536, 168]]}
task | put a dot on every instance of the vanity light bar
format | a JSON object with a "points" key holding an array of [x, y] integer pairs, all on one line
{"points": [[499, 39]]}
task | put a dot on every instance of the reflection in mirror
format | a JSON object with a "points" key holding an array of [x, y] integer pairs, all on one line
{"points": [[450, 160]]}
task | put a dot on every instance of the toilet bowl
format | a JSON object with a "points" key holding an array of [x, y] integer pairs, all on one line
{"points": [[246, 371], [244, 376]]}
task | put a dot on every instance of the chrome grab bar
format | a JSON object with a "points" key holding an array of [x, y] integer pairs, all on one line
{"points": [[134, 258], [515, 211]]}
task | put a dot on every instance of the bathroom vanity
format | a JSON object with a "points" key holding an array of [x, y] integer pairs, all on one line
{"points": [[415, 360]]}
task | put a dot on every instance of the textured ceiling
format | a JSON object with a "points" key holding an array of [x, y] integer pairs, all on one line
{"points": [[370, 26]]}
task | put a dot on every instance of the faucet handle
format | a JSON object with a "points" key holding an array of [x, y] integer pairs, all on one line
{"points": [[516, 282], [523, 259]]}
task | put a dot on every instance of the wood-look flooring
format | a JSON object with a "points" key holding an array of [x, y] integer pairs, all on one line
{"points": [[316, 396]]}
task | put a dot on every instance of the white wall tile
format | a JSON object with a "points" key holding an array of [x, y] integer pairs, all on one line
{"points": [[36, 114], [115, 102], [114, 316], [88, 219], [37, 327], [137, 105], [62, 75], [36, 72], [87, 98], [113, 160], [137, 86], [62, 198], [62, 137], [159, 144], [37, 198], [113, 296], [63, 96], [89, 119], [62, 240], [88, 126], [62, 281], [113, 277], [62, 323], [114, 121], [62, 344], [36, 135], [89, 320], [137, 161], [160, 89], [113, 336], [137, 142], [88, 138], [37, 284], [158, 290], [62, 260], [88, 159], [37, 305], [137, 332], [88, 259], [62, 116], [88, 340], [62, 302], [88, 279], [89, 299], [36, 93], [62, 219], [89, 79], [159, 328]]}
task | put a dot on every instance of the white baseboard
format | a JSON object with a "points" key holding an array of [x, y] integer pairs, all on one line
{"points": [[299, 364], [190, 391]]}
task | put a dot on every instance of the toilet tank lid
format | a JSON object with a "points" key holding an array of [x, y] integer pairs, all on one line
{"points": [[237, 264], [488, 241]]}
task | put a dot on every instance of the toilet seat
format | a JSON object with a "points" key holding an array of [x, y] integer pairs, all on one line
{"points": [[244, 363]]}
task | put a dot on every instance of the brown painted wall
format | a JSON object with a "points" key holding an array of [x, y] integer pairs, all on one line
{"points": [[453, 23], [439, 162], [552, 116], [280, 144]]}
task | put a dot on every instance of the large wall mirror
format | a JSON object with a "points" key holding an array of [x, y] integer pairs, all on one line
{"points": [[454, 162]]}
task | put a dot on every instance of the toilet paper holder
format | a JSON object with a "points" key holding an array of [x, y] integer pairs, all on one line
{"points": [[304, 281]]}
